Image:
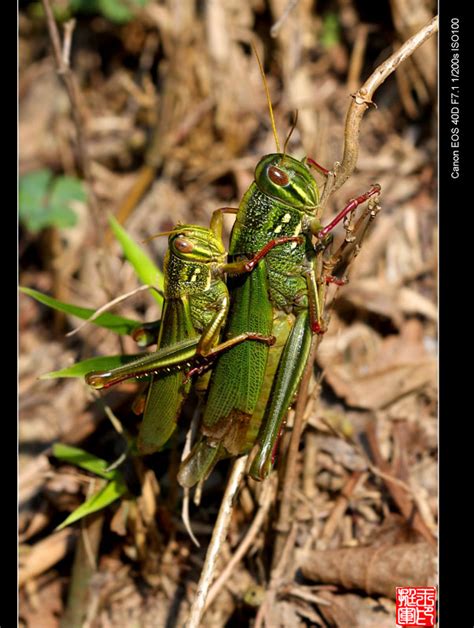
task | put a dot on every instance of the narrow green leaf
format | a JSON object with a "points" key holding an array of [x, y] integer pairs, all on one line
{"points": [[101, 363], [144, 266], [117, 324], [106, 496], [85, 460]]}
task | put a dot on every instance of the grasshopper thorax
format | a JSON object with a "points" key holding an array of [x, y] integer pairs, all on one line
{"points": [[288, 180]]}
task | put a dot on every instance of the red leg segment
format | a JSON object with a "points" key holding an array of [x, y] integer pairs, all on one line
{"points": [[338, 282], [375, 189], [314, 164], [250, 265]]}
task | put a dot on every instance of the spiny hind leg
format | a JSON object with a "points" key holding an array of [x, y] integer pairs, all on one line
{"points": [[287, 379]]}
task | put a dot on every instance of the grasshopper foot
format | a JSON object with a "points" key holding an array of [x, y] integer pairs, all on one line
{"points": [[337, 282]]}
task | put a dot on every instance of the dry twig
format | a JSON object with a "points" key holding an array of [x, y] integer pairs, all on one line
{"points": [[61, 57], [218, 537], [363, 98], [268, 494], [107, 306], [400, 495], [84, 567]]}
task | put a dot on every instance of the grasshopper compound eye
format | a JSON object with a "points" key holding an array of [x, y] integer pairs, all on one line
{"points": [[277, 176], [183, 245]]}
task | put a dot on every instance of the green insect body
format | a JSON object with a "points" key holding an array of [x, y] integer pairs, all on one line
{"points": [[196, 303], [253, 386], [250, 393]]}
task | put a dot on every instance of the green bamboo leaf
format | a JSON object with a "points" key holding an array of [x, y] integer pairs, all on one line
{"points": [[144, 266], [85, 460], [117, 324], [101, 363], [106, 496]]}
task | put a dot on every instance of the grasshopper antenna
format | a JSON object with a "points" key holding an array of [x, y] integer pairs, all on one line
{"points": [[270, 108], [158, 235], [177, 229], [293, 127]]}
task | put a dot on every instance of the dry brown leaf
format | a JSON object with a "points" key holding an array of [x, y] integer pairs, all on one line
{"points": [[375, 295], [44, 605], [44, 554], [349, 610], [375, 570], [412, 302], [379, 372], [378, 389], [342, 452]]}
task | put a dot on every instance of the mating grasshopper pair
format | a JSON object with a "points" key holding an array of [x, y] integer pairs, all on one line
{"points": [[196, 304], [276, 284]]}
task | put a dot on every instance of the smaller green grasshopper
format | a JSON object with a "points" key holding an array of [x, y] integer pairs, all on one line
{"points": [[196, 304]]}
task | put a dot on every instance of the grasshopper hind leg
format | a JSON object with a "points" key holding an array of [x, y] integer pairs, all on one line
{"points": [[288, 376]]}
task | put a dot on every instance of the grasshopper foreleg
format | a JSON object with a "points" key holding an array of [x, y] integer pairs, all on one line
{"points": [[314, 164], [339, 261], [217, 219], [246, 266], [321, 233]]}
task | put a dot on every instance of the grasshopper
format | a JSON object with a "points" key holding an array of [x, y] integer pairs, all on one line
{"points": [[196, 303], [253, 385]]}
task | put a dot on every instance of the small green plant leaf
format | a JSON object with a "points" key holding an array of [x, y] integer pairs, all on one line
{"points": [[120, 11], [144, 266], [33, 187], [117, 324], [46, 202], [101, 363], [112, 491], [331, 34], [66, 188], [85, 460]]}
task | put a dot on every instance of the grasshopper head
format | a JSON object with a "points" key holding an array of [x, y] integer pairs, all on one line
{"points": [[192, 243], [286, 179]]}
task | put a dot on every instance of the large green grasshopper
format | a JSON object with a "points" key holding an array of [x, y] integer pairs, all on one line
{"points": [[253, 385], [196, 303]]}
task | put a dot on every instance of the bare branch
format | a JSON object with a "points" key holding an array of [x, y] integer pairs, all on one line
{"points": [[218, 537], [186, 451], [363, 98], [268, 494], [68, 30], [275, 29], [61, 57]]}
